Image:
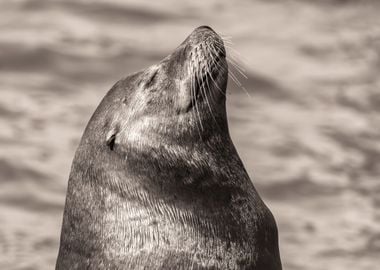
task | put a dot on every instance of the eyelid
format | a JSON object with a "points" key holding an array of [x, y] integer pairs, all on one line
{"points": [[111, 138], [111, 141]]}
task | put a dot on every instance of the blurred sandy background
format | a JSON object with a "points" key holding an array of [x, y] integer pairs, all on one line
{"points": [[309, 135]]}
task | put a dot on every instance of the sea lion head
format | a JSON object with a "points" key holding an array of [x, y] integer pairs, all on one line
{"points": [[180, 98], [156, 182]]}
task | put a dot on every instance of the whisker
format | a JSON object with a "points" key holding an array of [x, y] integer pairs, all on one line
{"points": [[236, 61], [234, 78], [228, 41], [231, 57], [214, 63], [225, 37], [241, 72], [192, 87], [211, 93], [208, 74], [206, 96], [232, 75], [197, 110], [235, 55], [200, 85]]}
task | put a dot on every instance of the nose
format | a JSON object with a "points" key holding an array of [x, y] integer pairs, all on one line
{"points": [[202, 33], [204, 28], [207, 36]]}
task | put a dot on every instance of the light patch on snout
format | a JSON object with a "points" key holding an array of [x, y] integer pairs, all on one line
{"points": [[139, 132], [184, 98]]}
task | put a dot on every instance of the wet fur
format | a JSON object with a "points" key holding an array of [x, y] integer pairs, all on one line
{"points": [[156, 182]]}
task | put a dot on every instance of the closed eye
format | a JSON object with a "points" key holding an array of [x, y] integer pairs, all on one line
{"points": [[111, 142]]}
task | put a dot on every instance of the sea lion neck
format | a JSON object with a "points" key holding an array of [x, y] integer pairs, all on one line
{"points": [[173, 138]]}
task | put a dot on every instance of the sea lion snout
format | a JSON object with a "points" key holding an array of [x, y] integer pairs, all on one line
{"points": [[201, 66], [193, 77]]}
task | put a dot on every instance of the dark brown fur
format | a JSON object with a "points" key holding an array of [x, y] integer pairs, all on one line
{"points": [[156, 182]]}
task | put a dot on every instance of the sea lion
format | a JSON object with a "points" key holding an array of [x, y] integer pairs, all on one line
{"points": [[156, 182]]}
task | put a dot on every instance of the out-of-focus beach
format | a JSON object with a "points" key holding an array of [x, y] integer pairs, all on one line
{"points": [[308, 132]]}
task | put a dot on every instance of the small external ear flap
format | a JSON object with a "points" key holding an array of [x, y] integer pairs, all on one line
{"points": [[111, 137], [150, 81], [149, 77]]}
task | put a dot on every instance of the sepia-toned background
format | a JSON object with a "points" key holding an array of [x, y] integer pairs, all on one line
{"points": [[308, 132]]}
